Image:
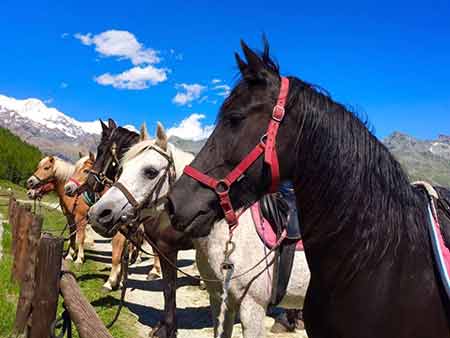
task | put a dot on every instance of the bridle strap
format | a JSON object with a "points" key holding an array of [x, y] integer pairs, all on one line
{"points": [[168, 174], [127, 194], [267, 145]]}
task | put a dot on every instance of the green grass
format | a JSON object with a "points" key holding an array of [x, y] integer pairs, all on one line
{"points": [[9, 290], [91, 276]]}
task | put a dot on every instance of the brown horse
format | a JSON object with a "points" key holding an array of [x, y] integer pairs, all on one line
{"points": [[76, 186], [54, 172]]}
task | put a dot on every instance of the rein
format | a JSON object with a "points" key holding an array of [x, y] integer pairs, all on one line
{"points": [[266, 147]]}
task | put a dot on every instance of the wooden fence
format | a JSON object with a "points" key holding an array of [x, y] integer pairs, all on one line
{"points": [[42, 275]]}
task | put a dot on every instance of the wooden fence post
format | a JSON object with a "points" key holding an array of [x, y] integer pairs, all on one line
{"points": [[48, 272], [88, 323], [21, 223], [28, 267]]}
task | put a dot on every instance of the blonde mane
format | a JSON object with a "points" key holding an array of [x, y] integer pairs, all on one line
{"points": [[63, 169], [80, 163]]}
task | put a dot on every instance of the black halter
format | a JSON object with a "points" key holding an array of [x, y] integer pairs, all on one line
{"points": [[100, 177]]}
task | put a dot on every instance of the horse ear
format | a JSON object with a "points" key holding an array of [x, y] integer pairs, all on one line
{"points": [[112, 124], [241, 64], [161, 137], [143, 134], [80, 154], [105, 129], [91, 156], [255, 63]]}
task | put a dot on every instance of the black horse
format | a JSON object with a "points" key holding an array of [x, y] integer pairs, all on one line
{"points": [[364, 225], [115, 141]]}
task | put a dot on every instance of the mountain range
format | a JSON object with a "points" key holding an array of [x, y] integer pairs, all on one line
{"points": [[59, 134]]}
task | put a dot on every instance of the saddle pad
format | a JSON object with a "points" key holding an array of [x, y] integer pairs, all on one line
{"points": [[265, 230], [441, 252]]}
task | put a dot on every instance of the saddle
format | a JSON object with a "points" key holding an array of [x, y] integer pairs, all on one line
{"points": [[438, 210], [281, 217]]}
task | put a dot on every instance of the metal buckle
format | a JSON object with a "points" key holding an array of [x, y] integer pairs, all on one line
{"points": [[222, 187], [278, 109]]}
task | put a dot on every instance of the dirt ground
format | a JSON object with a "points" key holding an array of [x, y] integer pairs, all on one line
{"points": [[145, 299]]}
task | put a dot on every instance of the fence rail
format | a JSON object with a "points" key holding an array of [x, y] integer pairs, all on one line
{"points": [[42, 275]]}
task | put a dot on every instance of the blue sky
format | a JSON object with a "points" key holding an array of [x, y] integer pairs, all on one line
{"points": [[129, 59]]}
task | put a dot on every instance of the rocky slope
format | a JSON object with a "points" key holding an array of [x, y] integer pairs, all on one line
{"points": [[423, 159]]}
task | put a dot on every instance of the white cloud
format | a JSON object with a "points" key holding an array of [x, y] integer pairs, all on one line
{"points": [[63, 85], [191, 128], [49, 100], [215, 81], [122, 44], [189, 93], [136, 78], [223, 90], [64, 35]]}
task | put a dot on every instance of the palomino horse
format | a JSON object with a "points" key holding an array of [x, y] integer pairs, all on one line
{"points": [[75, 186], [114, 142], [364, 226], [53, 171], [146, 168], [156, 226]]}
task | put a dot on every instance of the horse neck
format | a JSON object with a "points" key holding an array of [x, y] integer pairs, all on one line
{"points": [[353, 197]]}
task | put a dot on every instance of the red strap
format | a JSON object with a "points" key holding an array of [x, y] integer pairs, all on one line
{"points": [[270, 155], [201, 177], [222, 187], [75, 181], [242, 167]]}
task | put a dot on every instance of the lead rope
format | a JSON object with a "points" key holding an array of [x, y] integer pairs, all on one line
{"points": [[228, 267]]}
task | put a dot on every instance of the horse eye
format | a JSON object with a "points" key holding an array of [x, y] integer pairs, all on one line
{"points": [[235, 119], [47, 168], [86, 171], [150, 172]]}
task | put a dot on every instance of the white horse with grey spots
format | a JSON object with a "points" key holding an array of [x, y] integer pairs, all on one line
{"points": [[250, 293]]}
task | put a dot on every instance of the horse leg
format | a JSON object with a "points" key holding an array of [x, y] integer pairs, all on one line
{"points": [[118, 245], [155, 272], [252, 318], [168, 327], [81, 235]]}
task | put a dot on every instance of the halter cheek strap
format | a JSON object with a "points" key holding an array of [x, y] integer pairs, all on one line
{"points": [[267, 146]]}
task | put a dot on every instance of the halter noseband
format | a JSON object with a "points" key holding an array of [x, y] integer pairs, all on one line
{"points": [[266, 146]]}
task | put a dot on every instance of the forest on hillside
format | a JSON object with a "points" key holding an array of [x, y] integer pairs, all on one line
{"points": [[18, 159]]}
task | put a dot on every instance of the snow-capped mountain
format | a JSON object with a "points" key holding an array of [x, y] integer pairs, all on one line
{"points": [[51, 130], [37, 112]]}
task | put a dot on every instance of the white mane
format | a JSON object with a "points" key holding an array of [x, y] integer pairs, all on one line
{"points": [[180, 157]]}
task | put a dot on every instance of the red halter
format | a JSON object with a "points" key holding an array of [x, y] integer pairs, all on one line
{"points": [[266, 146]]}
